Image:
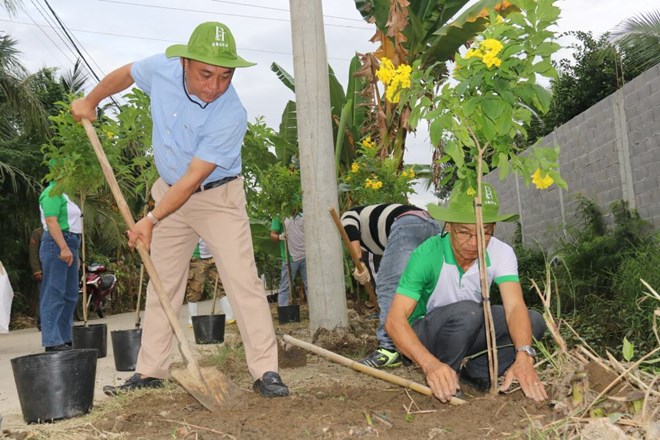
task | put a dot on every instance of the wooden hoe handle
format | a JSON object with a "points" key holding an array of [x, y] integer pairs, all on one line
{"points": [[354, 255]]}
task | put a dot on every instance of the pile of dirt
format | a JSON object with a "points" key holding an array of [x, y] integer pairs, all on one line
{"points": [[352, 341]]}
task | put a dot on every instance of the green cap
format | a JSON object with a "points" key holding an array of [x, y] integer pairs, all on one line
{"points": [[461, 207], [211, 43]]}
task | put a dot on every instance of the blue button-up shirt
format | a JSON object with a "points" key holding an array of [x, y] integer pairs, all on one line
{"points": [[182, 130]]}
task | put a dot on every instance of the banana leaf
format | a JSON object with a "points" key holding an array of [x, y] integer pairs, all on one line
{"points": [[451, 36]]}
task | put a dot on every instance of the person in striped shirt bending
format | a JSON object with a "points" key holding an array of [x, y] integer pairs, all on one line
{"points": [[392, 231]]}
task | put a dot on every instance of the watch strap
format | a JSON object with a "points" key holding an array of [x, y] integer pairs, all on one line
{"points": [[154, 220]]}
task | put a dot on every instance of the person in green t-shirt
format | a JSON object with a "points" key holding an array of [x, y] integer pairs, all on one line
{"points": [[436, 318], [58, 253]]}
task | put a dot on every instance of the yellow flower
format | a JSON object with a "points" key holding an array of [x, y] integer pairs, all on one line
{"points": [[386, 71], [373, 184], [491, 46], [368, 143], [491, 60], [108, 133], [473, 53], [355, 167], [408, 174], [541, 181], [471, 192], [394, 79], [499, 19]]}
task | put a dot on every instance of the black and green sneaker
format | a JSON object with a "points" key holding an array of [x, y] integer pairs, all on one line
{"points": [[381, 358]]}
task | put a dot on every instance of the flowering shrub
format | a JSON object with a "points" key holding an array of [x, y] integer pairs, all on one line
{"points": [[479, 119], [394, 79], [373, 179]]}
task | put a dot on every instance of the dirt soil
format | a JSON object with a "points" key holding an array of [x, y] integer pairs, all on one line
{"points": [[327, 401]]}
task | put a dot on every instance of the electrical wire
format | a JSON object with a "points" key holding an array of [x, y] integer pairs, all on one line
{"points": [[66, 32], [279, 9], [47, 36], [226, 14], [158, 39]]}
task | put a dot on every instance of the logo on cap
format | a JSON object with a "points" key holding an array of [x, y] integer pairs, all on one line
{"points": [[219, 37], [489, 197]]}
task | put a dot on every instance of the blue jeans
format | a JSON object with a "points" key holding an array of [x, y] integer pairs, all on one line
{"points": [[455, 331], [59, 290], [408, 232], [296, 266]]}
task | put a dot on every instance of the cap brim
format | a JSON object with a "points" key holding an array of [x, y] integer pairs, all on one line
{"points": [[452, 216], [181, 50]]}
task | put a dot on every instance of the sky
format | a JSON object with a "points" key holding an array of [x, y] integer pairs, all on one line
{"points": [[112, 33]]}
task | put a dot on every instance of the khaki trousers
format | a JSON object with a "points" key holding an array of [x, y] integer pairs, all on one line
{"points": [[217, 215]]}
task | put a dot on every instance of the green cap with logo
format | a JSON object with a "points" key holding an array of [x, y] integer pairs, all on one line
{"points": [[211, 43], [461, 207]]}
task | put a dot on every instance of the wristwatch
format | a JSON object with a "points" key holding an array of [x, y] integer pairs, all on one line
{"points": [[152, 218], [527, 349]]}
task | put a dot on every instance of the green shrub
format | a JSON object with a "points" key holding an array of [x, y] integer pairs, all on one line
{"points": [[601, 267]]}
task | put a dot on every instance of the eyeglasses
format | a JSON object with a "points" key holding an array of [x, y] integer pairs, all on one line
{"points": [[464, 236]]}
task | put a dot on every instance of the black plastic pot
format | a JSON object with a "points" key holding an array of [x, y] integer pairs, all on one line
{"points": [[209, 329], [290, 313], [92, 336], [55, 385], [125, 348]]}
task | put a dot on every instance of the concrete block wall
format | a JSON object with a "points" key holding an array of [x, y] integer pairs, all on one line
{"points": [[609, 152]]}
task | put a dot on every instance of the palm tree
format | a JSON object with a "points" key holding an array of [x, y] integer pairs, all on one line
{"points": [[638, 37], [17, 100]]}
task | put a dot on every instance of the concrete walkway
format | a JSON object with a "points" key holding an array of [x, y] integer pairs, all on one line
{"points": [[28, 341]]}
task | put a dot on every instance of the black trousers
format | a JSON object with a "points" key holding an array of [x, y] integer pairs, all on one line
{"points": [[455, 331]]}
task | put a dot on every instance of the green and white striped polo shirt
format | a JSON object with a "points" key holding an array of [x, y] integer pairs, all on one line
{"points": [[434, 279]]}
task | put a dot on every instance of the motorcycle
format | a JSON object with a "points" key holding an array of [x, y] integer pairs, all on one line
{"points": [[100, 289]]}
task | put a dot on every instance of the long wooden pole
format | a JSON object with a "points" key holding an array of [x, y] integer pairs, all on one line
{"points": [[354, 256], [379, 374]]}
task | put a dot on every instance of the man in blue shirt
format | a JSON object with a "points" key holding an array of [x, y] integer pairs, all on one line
{"points": [[198, 129]]}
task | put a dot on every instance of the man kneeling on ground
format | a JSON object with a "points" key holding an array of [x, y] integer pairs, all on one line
{"points": [[436, 318]]}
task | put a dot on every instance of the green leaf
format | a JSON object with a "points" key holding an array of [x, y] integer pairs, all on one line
{"points": [[628, 349], [547, 48], [504, 166], [354, 92], [493, 108], [436, 130], [343, 121], [337, 96], [456, 153], [284, 76], [471, 105], [543, 66]]}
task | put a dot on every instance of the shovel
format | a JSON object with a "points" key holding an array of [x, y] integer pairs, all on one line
{"points": [[208, 385]]}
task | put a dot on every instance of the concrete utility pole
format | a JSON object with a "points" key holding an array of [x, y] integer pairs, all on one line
{"points": [[325, 271]]}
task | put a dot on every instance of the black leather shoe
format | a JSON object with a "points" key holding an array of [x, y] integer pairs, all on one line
{"points": [[270, 385], [481, 384], [61, 347], [135, 382]]}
